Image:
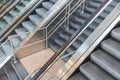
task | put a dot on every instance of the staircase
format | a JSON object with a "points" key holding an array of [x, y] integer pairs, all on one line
{"points": [[13, 71], [77, 43], [104, 63], [38, 15], [63, 34], [11, 16]]}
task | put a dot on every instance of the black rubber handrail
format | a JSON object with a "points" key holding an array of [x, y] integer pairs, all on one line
{"points": [[51, 60]]}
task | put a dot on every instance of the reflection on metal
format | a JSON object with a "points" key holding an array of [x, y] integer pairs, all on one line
{"points": [[92, 41]]}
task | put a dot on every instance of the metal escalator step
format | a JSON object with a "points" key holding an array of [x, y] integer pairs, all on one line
{"points": [[25, 2], [36, 19], [84, 15], [82, 20], [21, 32], [63, 36], [54, 46], [19, 8], [98, 1], [28, 25], [116, 34], [2, 54], [103, 15], [59, 41], [8, 18], [111, 46], [47, 5], [7, 47], [94, 5], [75, 26], [78, 76], [3, 24], [54, 1], [89, 10], [13, 12], [41, 12], [16, 41], [107, 62], [94, 72]]}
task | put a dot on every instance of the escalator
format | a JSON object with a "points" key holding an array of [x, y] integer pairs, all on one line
{"points": [[76, 44], [62, 35], [13, 14], [103, 64]]}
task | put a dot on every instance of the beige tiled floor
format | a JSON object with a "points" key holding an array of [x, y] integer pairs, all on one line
{"points": [[36, 60]]}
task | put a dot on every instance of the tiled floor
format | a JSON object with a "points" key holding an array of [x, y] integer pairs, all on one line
{"points": [[36, 60]]}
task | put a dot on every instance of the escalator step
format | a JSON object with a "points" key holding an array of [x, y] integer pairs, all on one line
{"points": [[7, 47], [28, 25], [112, 47], [41, 12], [94, 72], [47, 5], [116, 34], [21, 32], [54, 1], [78, 76], [107, 62], [36, 19], [16, 41]]}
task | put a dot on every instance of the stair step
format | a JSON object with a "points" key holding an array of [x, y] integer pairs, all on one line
{"points": [[16, 41], [3, 24], [75, 26], [103, 15], [41, 12], [19, 8], [13, 12], [54, 46], [82, 20], [116, 34], [36, 19], [89, 10], [7, 47], [107, 62], [2, 54], [21, 32], [63, 36], [94, 72], [54, 1], [8, 18], [98, 1], [84, 15], [95, 6], [78, 76], [47, 5], [28, 25], [59, 41], [112, 47], [25, 2]]}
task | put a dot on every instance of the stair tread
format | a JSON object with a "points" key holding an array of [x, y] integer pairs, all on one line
{"points": [[54, 1], [7, 47], [28, 25], [78, 76], [107, 62], [94, 72], [47, 5], [16, 41], [41, 12], [36, 19], [116, 34], [112, 47], [21, 32]]}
